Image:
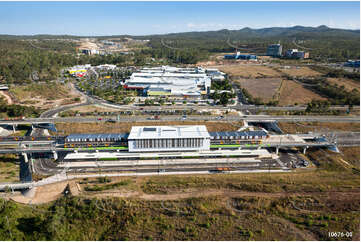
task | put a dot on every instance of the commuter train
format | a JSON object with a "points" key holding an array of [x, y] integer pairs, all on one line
{"points": [[120, 141]]}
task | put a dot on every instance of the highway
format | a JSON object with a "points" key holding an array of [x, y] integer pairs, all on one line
{"points": [[249, 118]]}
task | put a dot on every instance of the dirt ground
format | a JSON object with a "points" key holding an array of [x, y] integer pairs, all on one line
{"points": [[293, 92], [44, 96], [87, 45], [7, 97], [249, 71], [300, 71], [347, 83], [93, 108], [304, 127], [68, 128], [264, 88], [43, 194]]}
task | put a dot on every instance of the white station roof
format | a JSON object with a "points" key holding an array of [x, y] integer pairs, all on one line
{"points": [[168, 132]]}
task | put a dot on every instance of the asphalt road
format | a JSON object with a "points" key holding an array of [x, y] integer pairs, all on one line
{"points": [[249, 118]]}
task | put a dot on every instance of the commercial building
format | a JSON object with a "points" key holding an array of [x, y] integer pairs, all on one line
{"points": [[90, 51], [294, 53], [173, 81], [239, 56], [106, 67], [79, 70], [274, 50], [168, 138]]}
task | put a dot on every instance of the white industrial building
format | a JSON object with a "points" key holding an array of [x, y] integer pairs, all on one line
{"points": [[168, 138], [173, 81]]}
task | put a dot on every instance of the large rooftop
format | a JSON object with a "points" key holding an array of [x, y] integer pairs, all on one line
{"points": [[166, 132]]}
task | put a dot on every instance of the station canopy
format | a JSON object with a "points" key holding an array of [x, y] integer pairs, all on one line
{"points": [[231, 134], [97, 137]]}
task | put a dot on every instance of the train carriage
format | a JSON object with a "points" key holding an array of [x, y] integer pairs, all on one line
{"points": [[96, 140], [236, 138]]}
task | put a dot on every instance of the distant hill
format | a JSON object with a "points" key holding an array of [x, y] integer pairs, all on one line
{"points": [[274, 32], [245, 33]]}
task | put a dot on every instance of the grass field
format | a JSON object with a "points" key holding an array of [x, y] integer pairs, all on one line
{"points": [[264, 88], [347, 83], [293, 92], [249, 71], [9, 170], [298, 206], [302, 205], [300, 72], [68, 128], [352, 155], [304, 127]]}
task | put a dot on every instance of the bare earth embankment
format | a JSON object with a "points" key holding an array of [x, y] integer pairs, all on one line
{"points": [[293, 92]]}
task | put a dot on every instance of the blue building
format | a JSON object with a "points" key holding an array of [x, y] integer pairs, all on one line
{"points": [[239, 56], [353, 63]]}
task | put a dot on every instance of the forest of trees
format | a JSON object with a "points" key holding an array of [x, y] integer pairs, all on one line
{"points": [[21, 61], [22, 58]]}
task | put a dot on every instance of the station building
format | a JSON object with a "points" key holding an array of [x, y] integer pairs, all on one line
{"points": [[168, 138]]}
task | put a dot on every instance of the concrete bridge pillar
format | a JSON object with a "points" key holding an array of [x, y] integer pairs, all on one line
{"points": [[25, 157], [277, 150], [55, 155], [14, 130], [304, 150], [29, 192]]}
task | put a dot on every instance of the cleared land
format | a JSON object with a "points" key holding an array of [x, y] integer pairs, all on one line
{"points": [[300, 72], [249, 71], [68, 128], [264, 88], [347, 83], [293, 92], [304, 127], [45, 96]]}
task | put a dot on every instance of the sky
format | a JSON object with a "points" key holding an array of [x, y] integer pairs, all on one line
{"points": [[144, 18]]}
